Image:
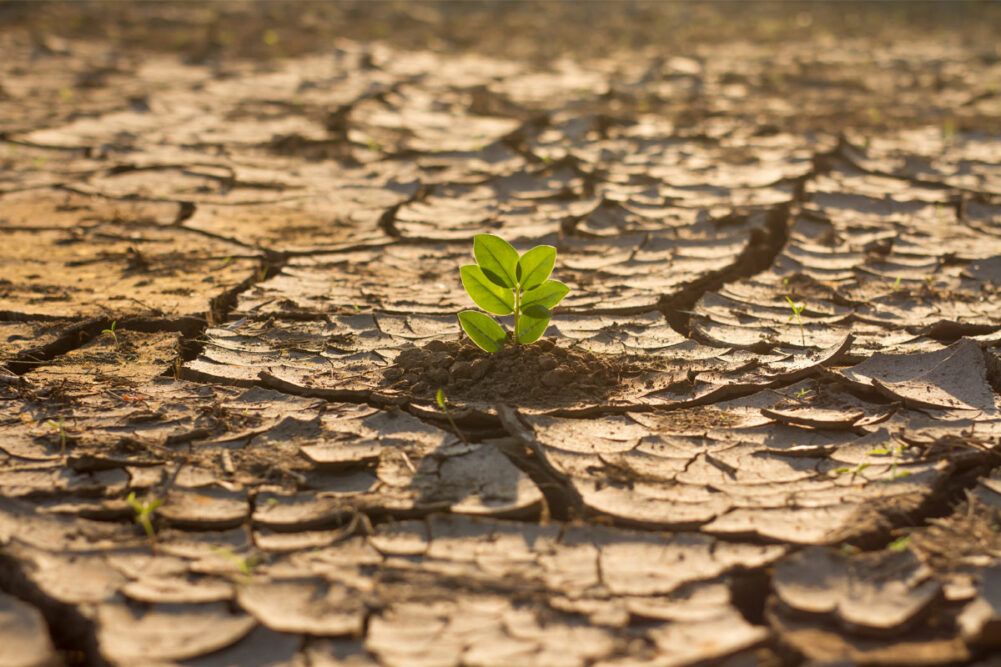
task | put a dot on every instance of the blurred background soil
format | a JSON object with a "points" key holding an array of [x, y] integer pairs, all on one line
{"points": [[537, 31]]}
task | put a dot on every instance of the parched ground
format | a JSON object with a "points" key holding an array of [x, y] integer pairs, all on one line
{"points": [[761, 430]]}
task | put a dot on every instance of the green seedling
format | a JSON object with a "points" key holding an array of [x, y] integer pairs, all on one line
{"points": [[796, 310], [803, 393], [443, 405], [62, 434], [896, 284], [111, 331], [144, 513], [504, 283], [246, 565], [949, 131], [854, 471], [900, 544]]}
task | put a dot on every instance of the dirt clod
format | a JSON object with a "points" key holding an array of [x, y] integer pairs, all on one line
{"points": [[542, 371]]}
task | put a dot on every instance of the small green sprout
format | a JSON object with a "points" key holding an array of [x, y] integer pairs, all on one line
{"points": [[896, 284], [62, 434], [246, 564], [796, 310], [900, 544], [144, 513], [111, 331], [504, 283], [949, 131], [439, 397], [854, 471], [803, 393]]}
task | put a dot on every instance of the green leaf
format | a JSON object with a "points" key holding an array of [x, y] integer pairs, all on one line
{"points": [[484, 331], [440, 398], [488, 296], [537, 310], [535, 266], [547, 294], [497, 258], [530, 329]]}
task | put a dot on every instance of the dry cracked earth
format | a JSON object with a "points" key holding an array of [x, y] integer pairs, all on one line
{"points": [[761, 429]]}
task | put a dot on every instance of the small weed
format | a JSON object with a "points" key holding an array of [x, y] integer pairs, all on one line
{"points": [[111, 331], [504, 283], [443, 405], [144, 514], [62, 434], [896, 284], [900, 544], [949, 131], [803, 393], [796, 310], [880, 451], [246, 564], [854, 471]]}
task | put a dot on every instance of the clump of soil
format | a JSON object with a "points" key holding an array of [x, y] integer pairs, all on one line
{"points": [[541, 371]]}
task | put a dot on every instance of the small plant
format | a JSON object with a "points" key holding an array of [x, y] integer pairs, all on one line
{"points": [[246, 564], [854, 471], [504, 283], [796, 310], [111, 331], [144, 513], [62, 434], [896, 284], [443, 404], [900, 544]]}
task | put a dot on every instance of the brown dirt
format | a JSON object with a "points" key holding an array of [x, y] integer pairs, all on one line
{"points": [[543, 371], [272, 200]]}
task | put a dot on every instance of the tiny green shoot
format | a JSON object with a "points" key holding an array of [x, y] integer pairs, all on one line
{"points": [[949, 131], [506, 283], [62, 434], [796, 310], [896, 284], [854, 471], [246, 564], [111, 331], [439, 397], [144, 513], [803, 393], [899, 544]]}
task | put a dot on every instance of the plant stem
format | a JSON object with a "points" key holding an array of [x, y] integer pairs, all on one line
{"points": [[517, 311]]}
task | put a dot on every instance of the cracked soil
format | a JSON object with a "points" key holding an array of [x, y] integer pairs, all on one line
{"points": [[762, 429]]}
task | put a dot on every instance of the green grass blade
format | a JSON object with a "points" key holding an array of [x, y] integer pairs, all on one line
{"points": [[535, 266], [497, 258], [530, 329], [547, 294], [484, 331], [488, 296]]}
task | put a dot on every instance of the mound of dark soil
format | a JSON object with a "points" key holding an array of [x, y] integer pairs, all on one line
{"points": [[541, 371]]}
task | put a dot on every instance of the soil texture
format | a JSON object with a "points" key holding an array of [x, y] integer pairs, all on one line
{"points": [[763, 427]]}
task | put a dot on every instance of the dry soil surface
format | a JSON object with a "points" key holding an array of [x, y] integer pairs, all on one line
{"points": [[761, 429]]}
